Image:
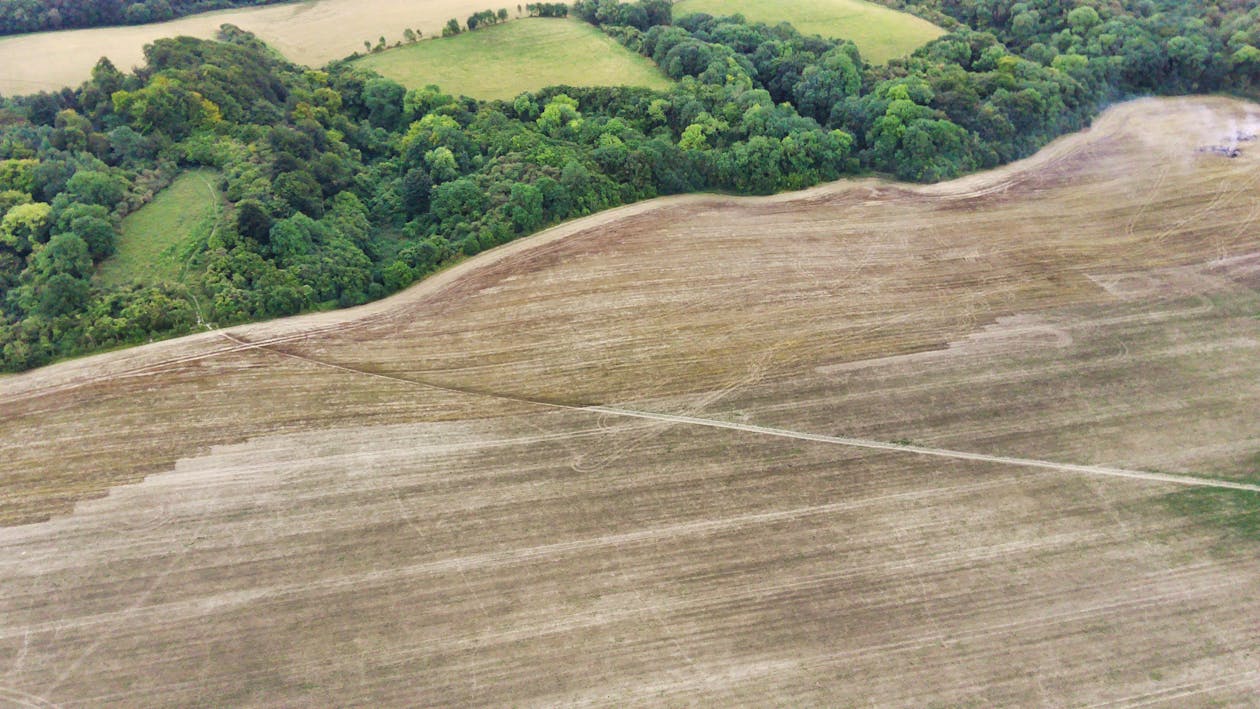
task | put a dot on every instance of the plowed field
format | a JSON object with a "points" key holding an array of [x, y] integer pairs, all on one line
{"points": [[453, 497]]}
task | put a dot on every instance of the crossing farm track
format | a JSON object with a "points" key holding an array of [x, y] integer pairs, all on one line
{"points": [[865, 444]]}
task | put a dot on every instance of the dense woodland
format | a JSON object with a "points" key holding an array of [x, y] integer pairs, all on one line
{"points": [[344, 186], [18, 16], [1148, 46]]}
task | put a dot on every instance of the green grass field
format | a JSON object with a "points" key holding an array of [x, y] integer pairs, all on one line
{"points": [[158, 239], [1235, 510], [880, 33], [501, 61]]}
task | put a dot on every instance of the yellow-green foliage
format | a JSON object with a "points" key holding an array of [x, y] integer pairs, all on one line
{"points": [[502, 61], [879, 32], [18, 175], [21, 223], [158, 240]]}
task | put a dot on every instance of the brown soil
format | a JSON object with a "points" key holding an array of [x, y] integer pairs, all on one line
{"points": [[364, 507]]}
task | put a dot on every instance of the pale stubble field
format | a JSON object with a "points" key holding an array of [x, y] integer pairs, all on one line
{"points": [[406, 504], [313, 33]]}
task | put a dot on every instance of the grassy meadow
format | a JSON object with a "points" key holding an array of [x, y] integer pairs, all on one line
{"points": [[501, 61], [879, 32], [157, 239]]}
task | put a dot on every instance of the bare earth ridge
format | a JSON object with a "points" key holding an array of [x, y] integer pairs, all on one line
{"points": [[865, 444]]}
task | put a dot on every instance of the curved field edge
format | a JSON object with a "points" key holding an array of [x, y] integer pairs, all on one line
{"points": [[1113, 121], [709, 345], [503, 61], [90, 369], [880, 33]]}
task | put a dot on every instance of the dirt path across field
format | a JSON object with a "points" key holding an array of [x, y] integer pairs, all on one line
{"points": [[240, 345], [925, 450]]}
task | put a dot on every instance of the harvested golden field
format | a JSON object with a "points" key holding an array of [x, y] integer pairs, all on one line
{"points": [[866, 444], [313, 32]]}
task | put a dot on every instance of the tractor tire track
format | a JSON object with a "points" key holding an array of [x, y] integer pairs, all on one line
{"points": [[1092, 470]]}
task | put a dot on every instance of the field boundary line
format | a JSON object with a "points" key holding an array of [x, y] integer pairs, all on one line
{"points": [[870, 444], [1188, 480], [386, 309]]}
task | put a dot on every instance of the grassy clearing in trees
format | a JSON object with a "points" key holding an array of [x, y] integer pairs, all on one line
{"points": [[879, 32], [502, 61], [158, 240]]}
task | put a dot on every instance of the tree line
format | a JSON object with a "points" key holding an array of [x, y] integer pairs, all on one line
{"points": [[345, 186], [483, 18], [547, 9], [1135, 46]]}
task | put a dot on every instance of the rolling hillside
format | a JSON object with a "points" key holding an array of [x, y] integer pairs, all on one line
{"points": [[868, 443]]}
